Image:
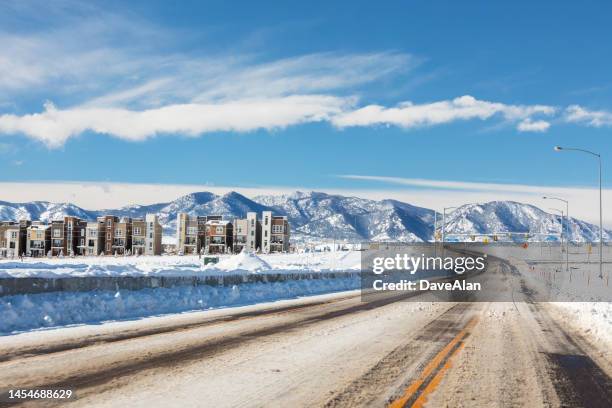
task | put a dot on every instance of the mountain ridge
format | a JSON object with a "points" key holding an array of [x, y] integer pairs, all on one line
{"points": [[316, 215]]}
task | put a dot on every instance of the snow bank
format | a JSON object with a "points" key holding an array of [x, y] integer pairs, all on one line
{"points": [[592, 319], [179, 265], [28, 312], [244, 261]]}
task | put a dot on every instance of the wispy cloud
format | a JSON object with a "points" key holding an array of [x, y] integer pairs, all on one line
{"points": [[113, 75], [595, 118], [409, 115]]}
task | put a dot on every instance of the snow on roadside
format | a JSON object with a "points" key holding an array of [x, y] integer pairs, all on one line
{"points": [[592, 319], [28, 312], [179, 265]]}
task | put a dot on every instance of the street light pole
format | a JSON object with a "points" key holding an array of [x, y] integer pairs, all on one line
{"points": [[444, 222], [444, 226], [567, 230], [566, 259], [558, 149]]}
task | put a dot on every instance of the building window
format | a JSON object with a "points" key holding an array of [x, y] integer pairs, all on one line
{"points": [[277, 229], [109, 223], [93, 233], [265, 233], [219, 230], [13, 234], [108, 236], [266, 221], [192, 230], [57, 232], [119, 233], [136, 230]]}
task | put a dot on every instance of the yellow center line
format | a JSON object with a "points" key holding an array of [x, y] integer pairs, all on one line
{"points": [[431, 366]]}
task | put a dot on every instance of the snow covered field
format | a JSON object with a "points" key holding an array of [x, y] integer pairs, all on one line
{"points": [[179, 265]]}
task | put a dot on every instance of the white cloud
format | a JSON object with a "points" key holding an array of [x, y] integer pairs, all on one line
{"points": [[54, 126], [578, 114], [408, 115], [529, 125]]}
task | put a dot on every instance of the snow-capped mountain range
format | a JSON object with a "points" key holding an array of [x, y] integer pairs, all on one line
{"points": [[316, 216]]}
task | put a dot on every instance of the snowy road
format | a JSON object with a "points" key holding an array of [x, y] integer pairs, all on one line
{"points": [[331, 350]]}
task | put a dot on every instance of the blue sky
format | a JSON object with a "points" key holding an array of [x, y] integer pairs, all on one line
{"points": [[251, 94]]}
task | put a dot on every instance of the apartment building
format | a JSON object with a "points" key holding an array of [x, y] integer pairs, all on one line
{"points": [[146, 236], [274, 233], [247, 233], [110, 222], [38, 239], [65, 235], [13, 238], [91, 238], [122, 237], [219, 237], [191, 232], [153, 240]]}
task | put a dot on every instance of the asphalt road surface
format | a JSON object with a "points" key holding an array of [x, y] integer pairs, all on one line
{"points": [[327, 351]]}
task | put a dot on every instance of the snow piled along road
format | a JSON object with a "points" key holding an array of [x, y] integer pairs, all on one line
{"points": [[53, 309], [179, 265]]}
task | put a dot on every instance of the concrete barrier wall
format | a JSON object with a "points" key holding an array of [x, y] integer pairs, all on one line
{"points": [[21, 286]]}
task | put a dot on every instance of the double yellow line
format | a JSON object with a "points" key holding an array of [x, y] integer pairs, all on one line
{"points": [[416, 393]]}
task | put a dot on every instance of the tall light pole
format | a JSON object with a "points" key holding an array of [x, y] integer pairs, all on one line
{"points": [[444, 222], [444, 226], [566, 259], [567, 230], [558, 149]]}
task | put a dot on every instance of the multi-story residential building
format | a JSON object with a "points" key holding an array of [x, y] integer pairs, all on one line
{"points": [[38, 239], [191, 232], [146, 236], [274, 233], [187, 234], [65, 235], [247, 233], [153, 240], [91, 238], [122, 237], [13, 238], [110, 222], [139, 234], [219, 237]]}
